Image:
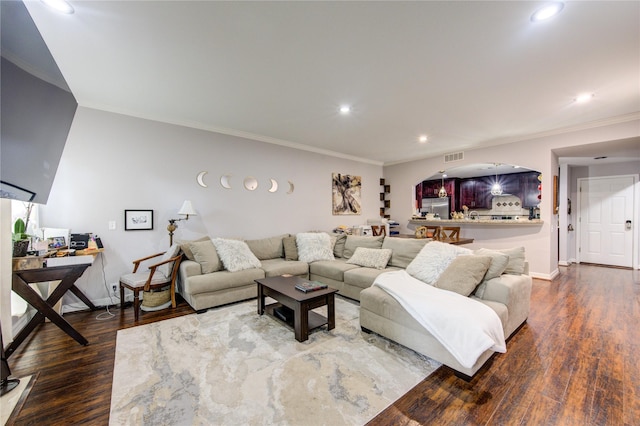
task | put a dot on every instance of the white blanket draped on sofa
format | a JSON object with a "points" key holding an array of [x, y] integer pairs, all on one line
{"points": [[465, 327]]}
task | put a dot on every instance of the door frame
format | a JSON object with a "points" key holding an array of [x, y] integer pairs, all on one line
{"points": [[636, 216]]}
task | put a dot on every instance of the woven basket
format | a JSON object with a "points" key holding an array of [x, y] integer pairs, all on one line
{"points": [[156, 298]]}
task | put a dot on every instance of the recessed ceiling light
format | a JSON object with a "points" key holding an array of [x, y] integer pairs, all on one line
{"points": [[423, 138], [547, 11], [345, 109], [59, 5], [584, 97]]}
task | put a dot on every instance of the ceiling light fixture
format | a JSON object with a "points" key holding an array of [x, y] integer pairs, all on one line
{"points": [[443, 192], [496, 189], [345, 109], [547, 11], [423, 138], [59, 5], [583, 98]]}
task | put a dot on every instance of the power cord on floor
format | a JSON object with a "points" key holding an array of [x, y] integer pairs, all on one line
{"points": [[103, 316]]}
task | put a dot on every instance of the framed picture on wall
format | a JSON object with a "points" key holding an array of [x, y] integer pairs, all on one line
{"points": [[138, 220], [346, 197]]}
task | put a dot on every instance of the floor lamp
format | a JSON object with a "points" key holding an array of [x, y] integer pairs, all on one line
{"points": [[187, 210]]}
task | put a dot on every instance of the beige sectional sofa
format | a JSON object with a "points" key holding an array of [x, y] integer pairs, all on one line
{"points": [[350, 279], [205, 281], [507, 294]]}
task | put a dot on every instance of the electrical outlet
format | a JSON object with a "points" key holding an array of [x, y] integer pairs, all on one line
{"points": [[114, 287]]}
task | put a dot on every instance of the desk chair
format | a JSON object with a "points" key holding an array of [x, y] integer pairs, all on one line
{"points": [[378, 230], [449, 233], [160, 275]]}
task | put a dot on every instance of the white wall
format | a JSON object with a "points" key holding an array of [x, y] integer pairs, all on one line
{"points": [[541, 243], [114, 162]]}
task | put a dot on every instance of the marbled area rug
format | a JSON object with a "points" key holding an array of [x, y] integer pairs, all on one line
{"points": [[230, 366]]}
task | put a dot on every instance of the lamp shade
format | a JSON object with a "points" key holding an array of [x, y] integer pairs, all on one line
{"points": [[187, 209]]}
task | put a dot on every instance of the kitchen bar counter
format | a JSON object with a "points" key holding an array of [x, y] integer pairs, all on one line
{"points": [[484, 222]]}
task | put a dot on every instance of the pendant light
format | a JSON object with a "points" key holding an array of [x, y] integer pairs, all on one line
{"points": [[443, 192], [496, 189]]}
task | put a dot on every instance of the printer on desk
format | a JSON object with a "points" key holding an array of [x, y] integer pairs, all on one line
{"points": [[79, 241]]}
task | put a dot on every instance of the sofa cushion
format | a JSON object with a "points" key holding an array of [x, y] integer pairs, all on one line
{"points": [[221, 280], [499, 262], [433, 259], [370, 258], [290, 248], [235, 255], [364, 277], [267, 248], [276, 267], [204, 252], [404, 250], [333, 269], [186, 249], [338, 246], [516, 260], [463, 274], [313, 246], [354, 241]]}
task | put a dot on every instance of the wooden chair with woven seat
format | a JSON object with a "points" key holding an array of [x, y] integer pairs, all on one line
{"points": [[449, 233], [378, 230], [427, 232], [160, 275]]}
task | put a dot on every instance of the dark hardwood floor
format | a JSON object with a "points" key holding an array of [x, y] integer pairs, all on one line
{"points": [[575, 361]]}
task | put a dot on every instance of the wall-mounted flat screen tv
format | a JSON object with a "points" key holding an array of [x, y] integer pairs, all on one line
{"points": [[36, 111]]}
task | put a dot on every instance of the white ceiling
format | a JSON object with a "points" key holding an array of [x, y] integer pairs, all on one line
{"points": [[468, 74]]}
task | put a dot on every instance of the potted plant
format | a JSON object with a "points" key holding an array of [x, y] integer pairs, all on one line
{"points": [[20, 238]]}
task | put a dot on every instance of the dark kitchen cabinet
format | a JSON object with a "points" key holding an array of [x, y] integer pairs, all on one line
{"points": [[475, 193], [431, 189], [529, 183]]}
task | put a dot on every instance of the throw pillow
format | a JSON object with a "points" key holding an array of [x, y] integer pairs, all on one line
{"points": [[313, 246], [235, 255], [433, 259], [499, 262], [167, 268], [370, 258], [290, 248], [463, 274], [204, 252], [354, 241], [186, 249], [516, 260], [338, 246]]}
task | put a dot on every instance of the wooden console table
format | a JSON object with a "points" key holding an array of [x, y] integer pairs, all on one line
{"points": [[67, 275]]}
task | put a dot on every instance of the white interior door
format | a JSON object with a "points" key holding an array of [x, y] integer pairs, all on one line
{"points": [[606, 204]]}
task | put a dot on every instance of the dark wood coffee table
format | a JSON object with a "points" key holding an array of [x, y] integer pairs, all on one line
{"points": [[283, 290]]}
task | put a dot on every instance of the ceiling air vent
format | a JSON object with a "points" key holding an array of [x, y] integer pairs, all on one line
{"points": [[456, 156]]}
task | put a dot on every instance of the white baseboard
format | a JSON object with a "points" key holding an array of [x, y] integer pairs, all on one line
{"points": [[546, 277], [79, 306]]}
